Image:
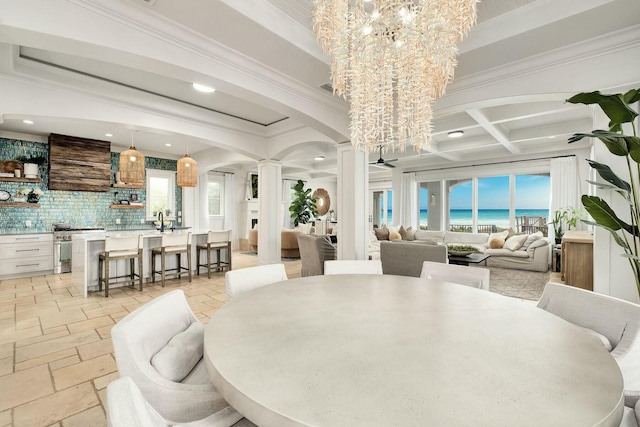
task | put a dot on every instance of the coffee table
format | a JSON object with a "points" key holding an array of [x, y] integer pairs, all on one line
{"points": [[469, 259], [386, 350]]}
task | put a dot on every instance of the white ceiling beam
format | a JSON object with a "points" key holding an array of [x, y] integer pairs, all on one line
{"points": [[483, 121], [523, 19], [551, 130]]}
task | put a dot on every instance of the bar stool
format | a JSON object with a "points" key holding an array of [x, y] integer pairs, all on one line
{"points": [[120, 248], [216, 240], [172, 244]]}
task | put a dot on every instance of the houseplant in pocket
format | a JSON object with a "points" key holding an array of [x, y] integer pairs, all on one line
{"points": [[618, 109]]}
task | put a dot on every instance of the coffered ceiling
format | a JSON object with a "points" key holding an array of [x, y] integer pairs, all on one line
{"points": [[515, 69]]}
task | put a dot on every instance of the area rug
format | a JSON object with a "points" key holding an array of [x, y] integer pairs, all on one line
{"points": [[518, 283]]}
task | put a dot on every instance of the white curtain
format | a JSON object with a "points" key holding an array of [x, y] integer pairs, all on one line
{"points": [[286, 198], [230, 208], [408, 214], [565, 185]]}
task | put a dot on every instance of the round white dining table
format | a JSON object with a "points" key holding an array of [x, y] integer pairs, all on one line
{"points": [[383, 350]]}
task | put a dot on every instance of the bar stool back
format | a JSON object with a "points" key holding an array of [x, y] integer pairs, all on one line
{"points": [[216, 240], [119, 248], [172, 244]]}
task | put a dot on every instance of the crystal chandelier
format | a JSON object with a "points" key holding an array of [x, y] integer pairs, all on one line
{"points": [[392, 59]]}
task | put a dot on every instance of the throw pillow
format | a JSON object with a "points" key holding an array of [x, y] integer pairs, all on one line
{"points": [[496, 243], [514, 243], [407, 233], [394, 236], [382, 233], [392, 229], [530, 239], [176, 359], [501, 235]]}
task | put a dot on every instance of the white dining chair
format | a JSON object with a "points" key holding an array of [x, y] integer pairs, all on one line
{"points": [[352, 266], [160, 345], [243, 280], [614, 322], [464, 275], [127, 407]]}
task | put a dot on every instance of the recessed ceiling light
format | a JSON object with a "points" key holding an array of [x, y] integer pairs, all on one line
{"points": [[108, 135], [318, 158], [167, 145], [29, 122], [203, 88], [455, 134]]}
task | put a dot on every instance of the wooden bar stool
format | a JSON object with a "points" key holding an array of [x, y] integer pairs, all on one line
{"points": [[216, 240], [172, 244], [120, 248]]}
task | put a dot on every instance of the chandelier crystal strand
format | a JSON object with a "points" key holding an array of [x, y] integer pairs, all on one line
{"points": [[391, 59]]}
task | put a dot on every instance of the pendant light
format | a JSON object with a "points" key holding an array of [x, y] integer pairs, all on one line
{"points": [[132, 166], [187, 171]]}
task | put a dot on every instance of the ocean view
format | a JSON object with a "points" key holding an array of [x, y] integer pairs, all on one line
{"points": [[497, 217]]}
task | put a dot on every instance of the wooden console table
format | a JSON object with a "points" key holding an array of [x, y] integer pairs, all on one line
{"points": [[577, 259]]}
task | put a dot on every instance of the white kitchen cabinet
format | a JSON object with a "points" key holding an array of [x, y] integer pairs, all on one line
{"points": [[25, 255]]}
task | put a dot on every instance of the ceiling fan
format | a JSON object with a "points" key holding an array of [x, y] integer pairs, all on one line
{"points": [[382, 162]]}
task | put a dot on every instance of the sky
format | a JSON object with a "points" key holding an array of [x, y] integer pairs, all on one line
{"points": [[532, 192]]}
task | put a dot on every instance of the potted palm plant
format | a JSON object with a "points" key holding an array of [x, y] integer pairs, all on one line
{"points": [[618, 109]]}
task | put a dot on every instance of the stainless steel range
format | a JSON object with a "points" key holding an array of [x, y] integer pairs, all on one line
{"points": [[62, 246]]}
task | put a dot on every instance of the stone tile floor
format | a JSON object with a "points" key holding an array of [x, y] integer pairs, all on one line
{"points": [[56, 357]]}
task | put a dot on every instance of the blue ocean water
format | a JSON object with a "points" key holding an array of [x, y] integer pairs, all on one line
{"points": [[497, 217]]}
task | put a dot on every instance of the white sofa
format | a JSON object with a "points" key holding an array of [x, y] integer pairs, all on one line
{"points": [[533, 255]]}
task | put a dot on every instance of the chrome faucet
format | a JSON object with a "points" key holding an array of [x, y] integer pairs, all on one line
{"points": [[161, 219]]}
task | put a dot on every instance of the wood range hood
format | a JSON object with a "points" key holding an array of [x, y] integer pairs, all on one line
{"points": [[79, 164]]}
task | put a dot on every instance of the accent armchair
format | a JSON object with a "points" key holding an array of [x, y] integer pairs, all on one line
{"points": [[160, 346]]}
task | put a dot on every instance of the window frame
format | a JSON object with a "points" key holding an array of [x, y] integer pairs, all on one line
{"points": [[220, 180], [171, 198]]}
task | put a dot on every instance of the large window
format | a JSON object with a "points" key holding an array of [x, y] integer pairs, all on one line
{"points": [[215, 195], [460, 205], [160, 193], [532, 202], [493, 203]]}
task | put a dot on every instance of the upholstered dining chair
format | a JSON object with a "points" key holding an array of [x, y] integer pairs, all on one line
{"points": [[160, 345], [127, 407], [475, 277], [243, 280], [631, 416], [216, 241], [120, 248], [171, 244], [614, 322], [352, 266]]}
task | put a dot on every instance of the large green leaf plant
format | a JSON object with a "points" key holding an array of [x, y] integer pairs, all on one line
{"points": [[303, 206], [618, 109]]}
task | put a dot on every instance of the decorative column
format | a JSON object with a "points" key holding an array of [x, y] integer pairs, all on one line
{"points": [[269, 218], [353, 193]]}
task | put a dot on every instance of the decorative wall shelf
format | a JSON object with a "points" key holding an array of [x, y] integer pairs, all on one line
{"points": [[19, 205], [14, 179], [117, 206], [139, 187]]}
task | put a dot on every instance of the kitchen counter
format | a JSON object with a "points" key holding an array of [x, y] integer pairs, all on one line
{"points": [[18, 231], [87, 246]]}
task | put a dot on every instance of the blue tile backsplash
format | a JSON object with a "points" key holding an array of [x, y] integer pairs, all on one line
{"points": [[79, 208]]}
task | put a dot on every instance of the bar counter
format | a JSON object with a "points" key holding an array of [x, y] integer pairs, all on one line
{"points": [[87, 246]]}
